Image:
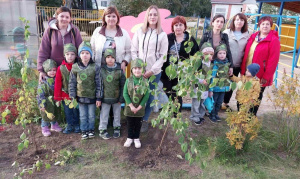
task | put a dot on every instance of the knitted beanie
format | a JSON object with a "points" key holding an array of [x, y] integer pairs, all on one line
{"points": [[85, 46], [206, 47], [136, 63], [110, 52], [222, 47], [70, 48], [48, 65], [253, 68]]}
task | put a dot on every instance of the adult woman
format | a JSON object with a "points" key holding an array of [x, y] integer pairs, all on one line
{"points": [[263, 48], [150, 44], [176, 48], [216, 37], [111, 35], [60, 32], [238, 36]]}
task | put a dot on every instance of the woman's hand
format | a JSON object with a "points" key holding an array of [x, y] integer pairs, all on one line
{"points": [[230, 72], [41, 76], [263, 81], [148, 74], [123, 66]]}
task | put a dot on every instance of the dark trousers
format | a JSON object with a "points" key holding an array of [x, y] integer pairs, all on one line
{"points": [[218, 99], [254, 109], [168, 84], [134, 127], [236, 72]]}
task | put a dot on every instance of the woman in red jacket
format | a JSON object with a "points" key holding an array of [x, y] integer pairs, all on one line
{"points": [[263, 48]]}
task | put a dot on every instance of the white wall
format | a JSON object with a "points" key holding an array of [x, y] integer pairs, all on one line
{"points": [[235, 9]]}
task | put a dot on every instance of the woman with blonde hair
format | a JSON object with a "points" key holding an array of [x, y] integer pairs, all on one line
{"points": [[150, 43]]}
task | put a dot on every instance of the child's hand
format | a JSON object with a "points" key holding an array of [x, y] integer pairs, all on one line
{"points": [[210, 93], [58, 103], [132, 108], [42, 109], [230, 72], [98, 103], [204, 82], [138, 108]]}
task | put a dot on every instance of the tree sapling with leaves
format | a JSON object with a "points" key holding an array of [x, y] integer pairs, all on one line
{"points": [[61, 92], [49, 111], [136, 93], [198, 108], [220, 73], [85, 84]]}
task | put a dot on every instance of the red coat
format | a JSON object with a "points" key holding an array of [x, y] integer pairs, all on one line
{"points": [[266, 54], [58, 93]]}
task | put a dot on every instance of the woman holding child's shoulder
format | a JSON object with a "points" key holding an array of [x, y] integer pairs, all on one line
{"points": [[60, 32], [111, 35]]}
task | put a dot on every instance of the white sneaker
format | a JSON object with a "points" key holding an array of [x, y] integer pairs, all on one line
{"points": [[137, 143], [128, 142]]}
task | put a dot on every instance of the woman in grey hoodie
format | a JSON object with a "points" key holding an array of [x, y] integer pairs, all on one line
{"points": [[60, 32]]}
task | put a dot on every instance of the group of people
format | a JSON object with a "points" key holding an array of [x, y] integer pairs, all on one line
{"points": [[91, 74]]}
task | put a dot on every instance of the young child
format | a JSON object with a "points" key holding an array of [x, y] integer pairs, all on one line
{"points": [[113, 83], [198, 108], [45, 99], [250, 75], [136, 100], [220, 70], [86, 84], [61, 86]]}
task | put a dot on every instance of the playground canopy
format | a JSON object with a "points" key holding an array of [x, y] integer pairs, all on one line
{"points": [[292, 5]]}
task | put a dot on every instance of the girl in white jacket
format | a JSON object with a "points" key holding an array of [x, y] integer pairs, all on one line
{"points": [[150, 44]]}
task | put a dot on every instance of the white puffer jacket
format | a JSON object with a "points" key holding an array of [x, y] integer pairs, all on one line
{"points": [[143, 46]]}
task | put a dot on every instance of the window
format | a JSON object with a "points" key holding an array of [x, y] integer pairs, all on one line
{"points": [[104, 3], [221, 9]]}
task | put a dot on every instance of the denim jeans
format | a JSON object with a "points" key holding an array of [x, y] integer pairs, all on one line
{"points": [[87, 116], [218, 98], [72, 115], [44, 123], [148, 109]]}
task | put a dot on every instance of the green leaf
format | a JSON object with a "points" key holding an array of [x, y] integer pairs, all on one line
{"points": [[21, 146], [233, 86], [203, 165], [152, 78], [181, 140], [26, 143], [23, 136], [48, 166], [30, 172], [172, 121], [22, 172], [184, 147], [187, 156], [248, 85]]}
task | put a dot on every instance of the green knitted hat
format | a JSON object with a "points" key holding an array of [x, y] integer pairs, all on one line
{"points": [[137, 63], [70, 48], [206, 45], [48, 65], [110, 52], [221, 47]]}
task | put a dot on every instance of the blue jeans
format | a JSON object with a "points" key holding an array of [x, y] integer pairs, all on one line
{"points": [[87, 116], [218, 98], [148, 109], [72, 115], [44, 123]]}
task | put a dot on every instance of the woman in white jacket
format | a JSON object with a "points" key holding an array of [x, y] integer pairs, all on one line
{"points": [[111, 35], [150, 44]]}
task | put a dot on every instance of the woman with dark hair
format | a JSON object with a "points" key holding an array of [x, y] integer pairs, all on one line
{"points": [[176, 48], [216, 37], [238, 36], [111, 35], [263, 48], [60, 32]]}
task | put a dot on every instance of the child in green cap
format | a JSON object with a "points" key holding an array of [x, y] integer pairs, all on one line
{"points": [[61, 91], [85, 85], [49, 111], [136, 94], [113, 83]]}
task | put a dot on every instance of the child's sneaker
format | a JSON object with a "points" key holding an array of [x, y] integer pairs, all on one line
{"points": [[84, 135], [200, 122], [68, 129], [104, 134], [55, 127], [137, 143], [212, 118], [117, 132], [45, 131], [218, 119], [91, 134], [77, 129], [128, 142]]}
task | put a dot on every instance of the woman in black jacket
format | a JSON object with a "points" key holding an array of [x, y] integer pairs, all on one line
{"points": [[176, 48], [216, 37]]}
